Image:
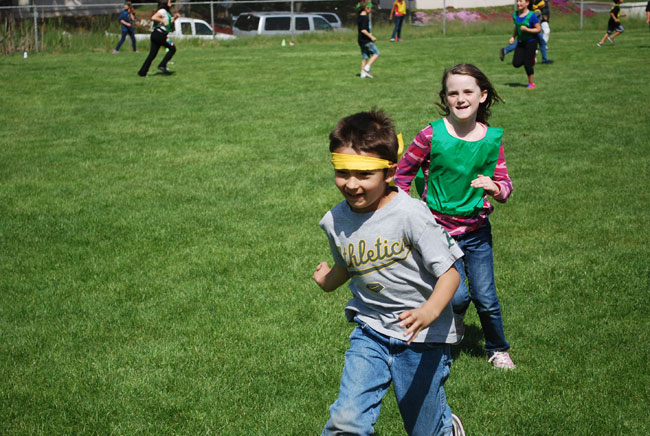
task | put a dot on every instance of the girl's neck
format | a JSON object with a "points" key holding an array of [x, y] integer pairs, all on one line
{"points": [[523, 12], [469, 130]]}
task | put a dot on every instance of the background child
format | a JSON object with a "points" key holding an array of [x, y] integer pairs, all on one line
{"points": [[400, 264], [366, 40], [614, 26], [462, 162], [541, 10], [526, 29], [399, 11], [163, 21], [127, 17]]}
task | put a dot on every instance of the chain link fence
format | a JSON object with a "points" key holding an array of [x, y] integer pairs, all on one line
{"points": [[39, 26]]}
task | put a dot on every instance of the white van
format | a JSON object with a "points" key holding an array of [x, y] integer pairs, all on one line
{"points": [[279, 23], [190, 28], [331, 18]]}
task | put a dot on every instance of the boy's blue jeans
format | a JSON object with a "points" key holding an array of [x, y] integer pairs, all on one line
{"points": [[418, 373], [478, 267]]}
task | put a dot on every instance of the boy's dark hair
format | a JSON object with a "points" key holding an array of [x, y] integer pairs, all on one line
{"points": [[372, 132], [483, 113]]}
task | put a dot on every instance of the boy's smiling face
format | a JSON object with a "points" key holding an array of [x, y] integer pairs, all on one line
{"points": [[364, 190]]}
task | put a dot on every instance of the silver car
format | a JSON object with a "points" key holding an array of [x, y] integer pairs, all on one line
{"points": [[279, 23]]}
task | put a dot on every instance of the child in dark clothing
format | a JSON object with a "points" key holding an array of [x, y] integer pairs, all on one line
{"points": [[366, 39], [614, 26]]}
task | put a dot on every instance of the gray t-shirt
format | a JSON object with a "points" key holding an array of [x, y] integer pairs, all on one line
{"points": [[394, 256]]}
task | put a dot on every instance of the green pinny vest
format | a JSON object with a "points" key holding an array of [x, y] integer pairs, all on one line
{"points": [[521, 35], [454, 164]]}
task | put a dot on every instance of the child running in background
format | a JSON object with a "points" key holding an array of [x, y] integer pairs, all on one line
{"points": [[400, 264], [614, 26], [526, 32], [462, 163], [127, 17], [366, 40], [399, 11]]}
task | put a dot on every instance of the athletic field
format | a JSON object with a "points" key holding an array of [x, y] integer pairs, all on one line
{"points": [[158, 237]]}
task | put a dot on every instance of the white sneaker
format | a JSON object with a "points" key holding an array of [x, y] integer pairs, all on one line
{"points": [[501, 359], [610, 39], [457, 428], [368, 75], [363, 74]]}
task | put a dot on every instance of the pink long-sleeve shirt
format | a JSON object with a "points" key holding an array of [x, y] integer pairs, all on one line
{"points": [[418, 156]]}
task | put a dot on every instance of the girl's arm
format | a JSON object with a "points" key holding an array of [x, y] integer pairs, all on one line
{"points": [[500, 185], [536, 29], [330, 278], [158, 17], [413, 159], [422, 317]]}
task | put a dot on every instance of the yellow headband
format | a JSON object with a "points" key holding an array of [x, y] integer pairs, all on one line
{"points": [[358, 162], [364, 163]]}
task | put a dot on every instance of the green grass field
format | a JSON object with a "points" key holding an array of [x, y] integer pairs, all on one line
{"points": [[158, 235]]}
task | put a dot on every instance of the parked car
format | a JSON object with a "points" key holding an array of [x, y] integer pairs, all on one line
{"points": [[190, 28], [331, 18], [279, 23]]}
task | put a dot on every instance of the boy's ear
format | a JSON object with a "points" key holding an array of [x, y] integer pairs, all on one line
{"points": [[390, 174]]}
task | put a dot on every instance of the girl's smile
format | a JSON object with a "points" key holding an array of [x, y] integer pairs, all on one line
{"points": [[464, 97]]}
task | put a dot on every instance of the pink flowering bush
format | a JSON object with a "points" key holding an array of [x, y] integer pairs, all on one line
{"points": [[466, 16]]}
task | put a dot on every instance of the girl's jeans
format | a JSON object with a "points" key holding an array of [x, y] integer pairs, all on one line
{"points": [[126, 31], [418, 373], [397, 31], [477, 266]]}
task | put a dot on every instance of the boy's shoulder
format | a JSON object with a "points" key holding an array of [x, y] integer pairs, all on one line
{"points": [[403, 206]]}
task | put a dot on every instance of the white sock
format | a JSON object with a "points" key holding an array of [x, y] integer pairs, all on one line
{"points": [[367, 68]]}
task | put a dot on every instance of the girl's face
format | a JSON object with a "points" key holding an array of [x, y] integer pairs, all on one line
{"points": [[522, 4], [464, 97], [169, 3], [365, 191]]}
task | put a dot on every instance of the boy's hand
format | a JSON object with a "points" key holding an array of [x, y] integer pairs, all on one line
{"points": [[416, 320], [486, 183], [422, 317], [322, 269], [330, 278]]}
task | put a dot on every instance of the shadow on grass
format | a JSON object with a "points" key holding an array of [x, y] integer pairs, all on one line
{"points": [[516, 85], [471, 344]]}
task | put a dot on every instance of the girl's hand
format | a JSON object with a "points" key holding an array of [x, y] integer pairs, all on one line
{"points": [[485, 183], [415, 320], [511, 40]]}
